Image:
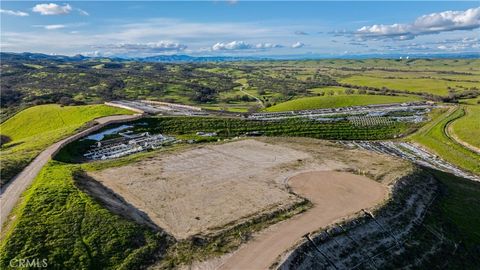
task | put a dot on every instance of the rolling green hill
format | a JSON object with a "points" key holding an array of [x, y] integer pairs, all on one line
{"points": [[433, 137], [336, 101], [467, 128], [30, 131], [58, 222]]}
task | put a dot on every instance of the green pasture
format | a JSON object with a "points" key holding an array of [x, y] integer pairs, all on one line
{"points": [[34, 129]]}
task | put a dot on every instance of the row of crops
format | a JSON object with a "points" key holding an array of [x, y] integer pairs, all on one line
{"points": [[229, 127], [370, 120]]}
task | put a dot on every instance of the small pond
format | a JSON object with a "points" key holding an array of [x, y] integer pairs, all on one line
{"points": [[100, 135]]}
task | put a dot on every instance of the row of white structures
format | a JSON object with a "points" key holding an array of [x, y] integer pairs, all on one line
{"points": [[128, 146]]}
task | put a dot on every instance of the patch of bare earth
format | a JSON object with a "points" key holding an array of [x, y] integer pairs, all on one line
{"points": [[194, 191], [334, 195], [208, 188]]}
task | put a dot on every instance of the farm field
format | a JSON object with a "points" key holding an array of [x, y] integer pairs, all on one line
{"points": [[418, 85], [32, 130], [467, 128], [231, 127], [433, 137], [186, 127], [309, 103]]}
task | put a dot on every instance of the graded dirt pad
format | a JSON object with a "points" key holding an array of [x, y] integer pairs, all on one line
{"points": [[208, 187], [205, 188], [333, 194]]}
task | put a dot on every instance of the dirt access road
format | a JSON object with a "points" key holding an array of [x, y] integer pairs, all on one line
{"points": [[334, 195], [451, 134], [10, 193]]}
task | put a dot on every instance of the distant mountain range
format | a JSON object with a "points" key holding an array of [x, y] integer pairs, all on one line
{"points": [[188, 58]]}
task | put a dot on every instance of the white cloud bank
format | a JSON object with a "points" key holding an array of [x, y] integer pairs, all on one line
{"points": [[14, 13], [242, 45], [52, 9], [162, 46], [427, 24]]}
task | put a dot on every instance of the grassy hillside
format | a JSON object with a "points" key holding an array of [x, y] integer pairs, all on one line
{"points": [[461, 205], [412, 84], [451, 227], [433, 137], [58, 222], [467, 128], [336, 101], [34, 129]]}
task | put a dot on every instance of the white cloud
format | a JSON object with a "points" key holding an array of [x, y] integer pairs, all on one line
{"points": [[425, 24], [297, 45], [242, 45], [234, 45], [162, 46], [13, 12], [52, 9]]}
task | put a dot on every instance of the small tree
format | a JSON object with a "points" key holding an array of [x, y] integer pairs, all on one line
{"points": [[64, 101], [349, 91]]}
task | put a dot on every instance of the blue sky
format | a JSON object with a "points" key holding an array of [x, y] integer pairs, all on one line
{"points": [[133, 28]]}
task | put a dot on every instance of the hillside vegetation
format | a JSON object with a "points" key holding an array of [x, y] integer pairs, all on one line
{"points": [[309, 103], [433, 137], [467, 128], [58, 222], [230, 86], [32, 130]]}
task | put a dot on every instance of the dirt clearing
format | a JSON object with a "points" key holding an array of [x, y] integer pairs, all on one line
{"points": [[210, 188], [206, 187], [333, 194]]}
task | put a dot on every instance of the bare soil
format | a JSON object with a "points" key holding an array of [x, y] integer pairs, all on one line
{"points": [[207, 187], [204, 189], [333, 194]]}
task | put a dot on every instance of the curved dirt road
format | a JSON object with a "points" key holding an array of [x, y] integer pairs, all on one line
{"points": [[451, 134], [334, 195], [11, 192]]}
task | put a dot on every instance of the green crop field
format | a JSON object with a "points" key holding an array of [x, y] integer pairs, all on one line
{"points": [[467, 128], [58, 222], [230, 127], [433, 137], [336, 101], [418, 85], [34, 129]]}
